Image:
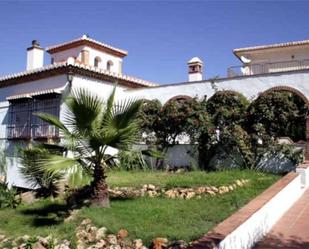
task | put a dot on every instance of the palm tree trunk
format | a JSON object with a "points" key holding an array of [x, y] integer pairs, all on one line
{"points": [[99, 196]]}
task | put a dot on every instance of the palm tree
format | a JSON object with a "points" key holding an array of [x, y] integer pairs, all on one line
{"points": [[89, 127]]}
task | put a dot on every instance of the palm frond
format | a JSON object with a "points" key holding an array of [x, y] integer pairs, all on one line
{"points": [[109, 108], [53, 120], [78, 177], [84, 108], [126, 112]]}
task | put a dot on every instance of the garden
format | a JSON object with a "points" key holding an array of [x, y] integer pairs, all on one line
{"points": [[87, 197]]}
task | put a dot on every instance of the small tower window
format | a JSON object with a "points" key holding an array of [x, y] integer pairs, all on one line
{"points": [[97, 61], [109, 65]]}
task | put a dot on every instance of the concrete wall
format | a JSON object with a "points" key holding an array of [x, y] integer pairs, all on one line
{"points": [[254, 228]]}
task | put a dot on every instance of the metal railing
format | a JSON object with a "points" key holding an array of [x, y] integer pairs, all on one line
{"points": [[273, 67], [18, 132], [45, 131]]}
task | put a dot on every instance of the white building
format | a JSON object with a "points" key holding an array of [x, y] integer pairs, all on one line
{"points": [[90, 64]]}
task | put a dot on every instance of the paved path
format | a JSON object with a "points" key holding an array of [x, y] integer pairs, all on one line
{"points": [[292, 230]]}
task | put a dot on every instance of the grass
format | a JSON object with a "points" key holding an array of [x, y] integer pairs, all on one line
{"points": [[144, 218]]}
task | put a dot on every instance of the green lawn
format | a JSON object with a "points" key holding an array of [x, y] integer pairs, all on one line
{"points": [[144, 218]]}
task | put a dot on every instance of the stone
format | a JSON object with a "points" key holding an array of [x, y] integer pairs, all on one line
{"points": [[178, 244], [38, 245], [151, 187], [214, 189], [101, 233], [64, 244], [231, 188], [159, 243], [112, 239], [86, 222], [210, 192], [122, 234], [44, 240], [152, 193], [171, 194], [138, 244], [201, 190], [72, 216], [114, 247], [2, 237], [27, 197], [239, 183], [100, 244], [190, 195], [80, 244], [180, 171]]}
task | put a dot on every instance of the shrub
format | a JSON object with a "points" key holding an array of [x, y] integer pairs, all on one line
{"points": [[8, 197], [36, 174], [132, 160]]}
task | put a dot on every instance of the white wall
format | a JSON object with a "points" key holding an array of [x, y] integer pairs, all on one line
{"points": [[76, 53], [98, 87], [64, 55], [11, 146], [250, 87], [260, 223]]}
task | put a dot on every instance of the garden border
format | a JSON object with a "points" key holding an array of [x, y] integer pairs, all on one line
{"points": [[249, 224]]}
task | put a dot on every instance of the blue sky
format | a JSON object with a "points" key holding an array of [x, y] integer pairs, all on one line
{"points": [[161, 36]]}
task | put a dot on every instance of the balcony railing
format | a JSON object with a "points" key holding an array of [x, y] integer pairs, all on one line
{"points": [[18, 132], [274, 67], [45, 131]]}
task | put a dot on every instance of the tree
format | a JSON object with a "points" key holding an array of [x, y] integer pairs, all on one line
{"points": [[90, 126], [148, 115], [224, 132], [280, 113], [226, 107], [180, 117]]}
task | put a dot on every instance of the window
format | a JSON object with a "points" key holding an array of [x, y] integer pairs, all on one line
{"points": [[97, 61], [40, 128], [109, 65], [22, 124], [19, 119]]}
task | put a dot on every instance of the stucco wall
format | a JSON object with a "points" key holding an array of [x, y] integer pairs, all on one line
{"points": [[250, 87], [76, 52], [11, 146]]}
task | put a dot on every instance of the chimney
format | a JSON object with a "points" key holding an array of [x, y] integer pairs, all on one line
{"points": [[35, 56], [195, 69]]}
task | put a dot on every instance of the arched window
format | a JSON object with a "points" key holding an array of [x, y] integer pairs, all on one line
{"points": [[97, 61], [109, 65]]}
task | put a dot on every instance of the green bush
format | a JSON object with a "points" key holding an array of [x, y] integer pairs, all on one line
{"points": [[36, 174], [8, 197], [132, 160]]}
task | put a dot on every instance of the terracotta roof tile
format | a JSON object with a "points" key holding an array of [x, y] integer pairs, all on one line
{"points": [[276, 45], [130, 79], [85, 38]]}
